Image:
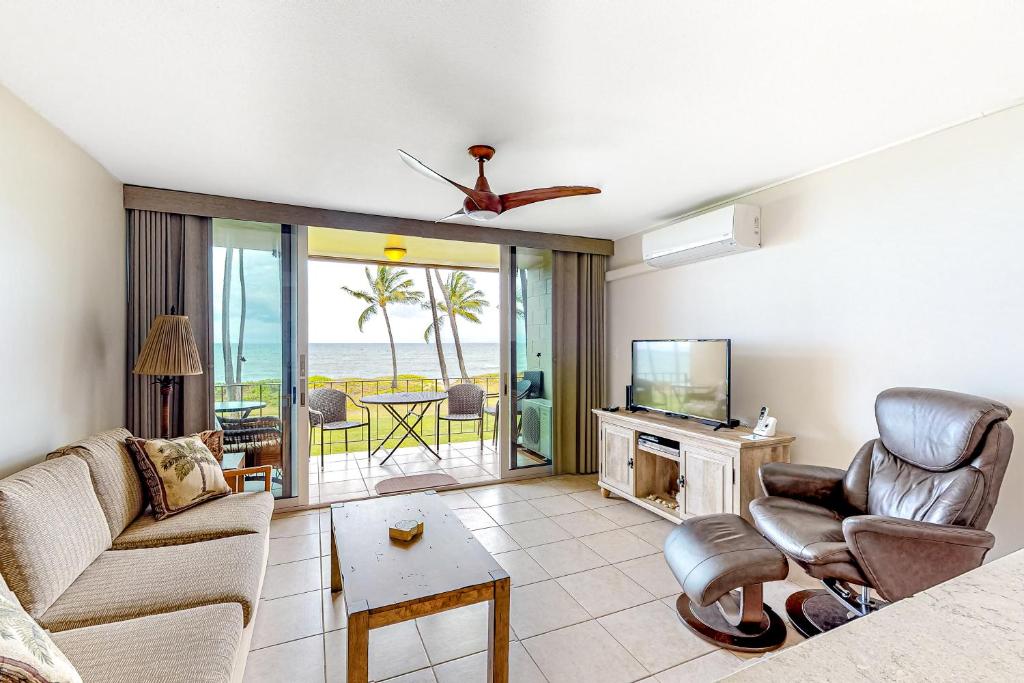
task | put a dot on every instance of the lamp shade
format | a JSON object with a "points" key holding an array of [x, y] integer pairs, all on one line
{"points": [[170, 349]]}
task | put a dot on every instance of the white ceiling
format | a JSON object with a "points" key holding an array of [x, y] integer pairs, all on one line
{"points": [[666, 106]]}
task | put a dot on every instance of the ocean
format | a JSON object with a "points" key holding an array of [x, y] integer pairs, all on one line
{"points": [[338, 361]]}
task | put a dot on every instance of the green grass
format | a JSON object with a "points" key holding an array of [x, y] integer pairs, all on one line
{"points": [[381, 422]]}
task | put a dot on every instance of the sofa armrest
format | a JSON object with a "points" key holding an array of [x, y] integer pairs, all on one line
{"points": [[902, 557], [235, 478], [809, 483]]}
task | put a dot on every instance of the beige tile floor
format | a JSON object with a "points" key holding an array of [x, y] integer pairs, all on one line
{"points": [[592, 599], [349, 476]]}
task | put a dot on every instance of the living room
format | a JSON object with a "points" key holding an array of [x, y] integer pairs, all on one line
{"points": [[741, 405]]}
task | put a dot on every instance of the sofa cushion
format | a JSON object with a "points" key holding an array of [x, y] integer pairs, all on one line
{"points": [[239, 513], [126, 584], [51, 529], [189, 646], [26, 651], [179, 473], [114, 476]]}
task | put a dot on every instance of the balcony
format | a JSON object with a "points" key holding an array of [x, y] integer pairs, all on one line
{"points": [[346, 472]]}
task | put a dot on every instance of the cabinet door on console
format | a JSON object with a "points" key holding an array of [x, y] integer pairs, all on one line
{"points": [[708, 487], [617, 457]]}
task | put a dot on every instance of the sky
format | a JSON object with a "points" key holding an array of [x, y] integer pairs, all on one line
{"points": [[333, 312]]}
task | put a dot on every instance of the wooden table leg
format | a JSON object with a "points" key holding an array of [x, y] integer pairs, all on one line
{"points": [[358, 647], [335, 563], [497, 633]]}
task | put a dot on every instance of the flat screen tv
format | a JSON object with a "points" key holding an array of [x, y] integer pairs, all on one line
{"points": [[684, 377]]}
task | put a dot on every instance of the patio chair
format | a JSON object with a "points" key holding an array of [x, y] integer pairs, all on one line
{"points": [[328, 409], [465, 404], [523, 387], [258, 439]]}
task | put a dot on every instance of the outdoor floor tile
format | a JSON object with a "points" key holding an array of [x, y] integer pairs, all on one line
{"points": [[468, 471]]}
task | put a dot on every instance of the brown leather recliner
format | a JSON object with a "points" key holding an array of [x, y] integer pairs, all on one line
{"points": [[908, 513]]}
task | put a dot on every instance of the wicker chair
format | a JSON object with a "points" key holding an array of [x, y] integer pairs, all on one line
{"points": [[523, 387], [258, 439], [328, 409], [465, 404]]}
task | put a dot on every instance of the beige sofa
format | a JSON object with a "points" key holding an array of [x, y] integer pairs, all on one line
{"points": [[128, 598]]}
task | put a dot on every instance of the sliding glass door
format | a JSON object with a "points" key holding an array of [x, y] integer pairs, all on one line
{"points": [[527, 411], [256, 350]]}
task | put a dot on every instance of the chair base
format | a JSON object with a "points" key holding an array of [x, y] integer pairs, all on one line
{"points": [[710, 624], [813, 612]]}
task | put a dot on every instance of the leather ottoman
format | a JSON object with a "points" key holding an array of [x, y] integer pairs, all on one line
{"points": [[721, 562]]}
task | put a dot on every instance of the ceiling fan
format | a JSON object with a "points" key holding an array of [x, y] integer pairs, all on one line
{"points": [[480, 203]]}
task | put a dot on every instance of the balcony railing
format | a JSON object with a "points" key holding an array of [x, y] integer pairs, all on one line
{"points": [[268, 393]]}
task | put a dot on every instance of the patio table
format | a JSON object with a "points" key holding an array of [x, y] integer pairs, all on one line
{"points": [[243, 407], [416, 404]]}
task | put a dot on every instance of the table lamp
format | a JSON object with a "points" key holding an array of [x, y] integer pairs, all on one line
{"points": [[170, 351]]}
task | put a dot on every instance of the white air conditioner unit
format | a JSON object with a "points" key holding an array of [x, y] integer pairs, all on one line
{"points": [[719, 232], [535, 428]]}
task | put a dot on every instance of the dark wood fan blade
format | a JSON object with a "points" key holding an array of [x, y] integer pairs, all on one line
{"points": [[513, 200], [421, 168]]}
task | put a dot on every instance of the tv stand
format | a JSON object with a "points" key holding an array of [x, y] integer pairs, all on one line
{"points": [[714, 471]]}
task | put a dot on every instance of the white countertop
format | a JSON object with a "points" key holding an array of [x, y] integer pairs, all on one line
{"points": [[970, 628]]}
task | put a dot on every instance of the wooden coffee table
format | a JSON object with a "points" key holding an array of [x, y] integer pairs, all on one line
{"points": [[389, 581]]}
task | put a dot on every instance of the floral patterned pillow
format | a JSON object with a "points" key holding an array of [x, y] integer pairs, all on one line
{"points": [[179, 473], [26, 651]]}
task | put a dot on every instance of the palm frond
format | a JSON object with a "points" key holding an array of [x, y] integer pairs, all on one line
{"points": [[367, 313]]}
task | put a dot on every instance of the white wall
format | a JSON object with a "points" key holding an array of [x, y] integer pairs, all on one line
{"points": [[902, 268], [62, 291]]}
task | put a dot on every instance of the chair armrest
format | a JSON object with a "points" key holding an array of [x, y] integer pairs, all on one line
{"points": [[235, 478], [902, 557], [319, 417], [809, 483]]}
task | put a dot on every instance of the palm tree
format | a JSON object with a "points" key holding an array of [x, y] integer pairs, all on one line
{"points": [[184, 457], [436, 325], [462, 300], [388, 286]]}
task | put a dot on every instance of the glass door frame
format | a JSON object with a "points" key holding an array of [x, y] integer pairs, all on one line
{"points": [[295, 344], [507, 449]]}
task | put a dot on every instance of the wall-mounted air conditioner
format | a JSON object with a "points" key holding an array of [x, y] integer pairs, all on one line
{"points": [[727, 230]]}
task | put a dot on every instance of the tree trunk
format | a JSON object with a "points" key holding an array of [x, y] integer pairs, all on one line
{"points": [[451, 319], [522, 290], [437, 331], [391, 340], [202, 474], [240, 348], [225, 325]]}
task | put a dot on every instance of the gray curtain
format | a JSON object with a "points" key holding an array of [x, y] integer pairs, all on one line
{"points": [[579, 362], [169, 262]]}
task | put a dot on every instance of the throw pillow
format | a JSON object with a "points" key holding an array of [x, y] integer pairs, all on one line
{"points": [[26, 651], [179, 473]]}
